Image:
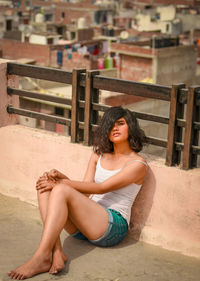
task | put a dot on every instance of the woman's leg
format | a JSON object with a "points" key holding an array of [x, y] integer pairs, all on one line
{"points": [[64, 202], [58, 256]]}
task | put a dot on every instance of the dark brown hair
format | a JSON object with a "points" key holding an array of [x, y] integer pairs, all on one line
{"points": [[101, 142]]}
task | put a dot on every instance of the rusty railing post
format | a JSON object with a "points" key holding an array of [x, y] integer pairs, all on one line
{"points": [[76, 95], [91, 95], [174, 132], [191, 135]]}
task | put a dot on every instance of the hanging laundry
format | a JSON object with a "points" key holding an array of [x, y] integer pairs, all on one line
{"points": [[105, 47], [74, 49], [96, 51], [82, 50], [91, 49], [59, 58], [69, 53]]}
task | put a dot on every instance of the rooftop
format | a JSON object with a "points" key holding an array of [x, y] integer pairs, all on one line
{"points": [[20, 231]]}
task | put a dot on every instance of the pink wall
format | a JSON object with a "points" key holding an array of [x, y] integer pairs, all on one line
{"points": [[166, 212]]}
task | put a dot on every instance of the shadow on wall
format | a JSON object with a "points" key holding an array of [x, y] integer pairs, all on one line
{"points": [[142, 205]]}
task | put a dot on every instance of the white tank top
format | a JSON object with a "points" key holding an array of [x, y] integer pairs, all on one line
{"points": [[120, 200]]}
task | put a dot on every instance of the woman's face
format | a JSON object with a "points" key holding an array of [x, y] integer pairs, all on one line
{"points": [[119, 132]]}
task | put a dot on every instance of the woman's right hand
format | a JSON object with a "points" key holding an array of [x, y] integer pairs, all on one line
{"points": [[53, 174]]}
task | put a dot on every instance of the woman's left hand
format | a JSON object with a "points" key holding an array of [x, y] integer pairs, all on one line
{"points": [[45, 184]]}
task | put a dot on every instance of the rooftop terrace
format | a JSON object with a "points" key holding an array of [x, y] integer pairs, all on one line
{"points": [[166, 212]]}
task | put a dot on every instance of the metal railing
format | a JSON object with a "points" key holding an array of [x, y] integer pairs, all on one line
{"points": [[182, 144]]}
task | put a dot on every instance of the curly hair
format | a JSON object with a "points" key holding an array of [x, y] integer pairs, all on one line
{"points": [[101, 142]]}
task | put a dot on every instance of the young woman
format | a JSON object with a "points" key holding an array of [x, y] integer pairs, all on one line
{"points": [[114, 176]]}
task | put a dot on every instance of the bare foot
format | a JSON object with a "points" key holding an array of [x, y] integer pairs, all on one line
{"points": [[35, 265], [58, 262]]}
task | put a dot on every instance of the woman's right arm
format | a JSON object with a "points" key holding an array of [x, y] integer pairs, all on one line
{"points": [[56, 174], [91, 168]]}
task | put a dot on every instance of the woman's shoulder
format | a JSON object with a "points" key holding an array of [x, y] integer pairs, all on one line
{"points": [[95, 156], [136, 158]]}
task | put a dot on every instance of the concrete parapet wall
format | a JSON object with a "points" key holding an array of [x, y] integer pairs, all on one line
{"points": [[165, 213], [5, 100]]}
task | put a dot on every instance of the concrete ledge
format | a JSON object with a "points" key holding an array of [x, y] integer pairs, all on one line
{"points": [[165, 213], [5, 99]]}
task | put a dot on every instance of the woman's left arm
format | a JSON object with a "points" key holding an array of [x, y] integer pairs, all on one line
{"points": [[47, 181], [133, 173]]}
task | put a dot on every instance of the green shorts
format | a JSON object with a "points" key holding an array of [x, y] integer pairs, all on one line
{"points": [[115, 232]]}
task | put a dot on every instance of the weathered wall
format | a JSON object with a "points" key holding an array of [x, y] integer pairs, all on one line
{"points": [[165, 213], [134, 68], [189, 22], [135, 62], [176, 65], [16, 50]]}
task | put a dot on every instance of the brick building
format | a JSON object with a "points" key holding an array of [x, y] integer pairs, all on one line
{"points": [[140, 3], [144, 63]]}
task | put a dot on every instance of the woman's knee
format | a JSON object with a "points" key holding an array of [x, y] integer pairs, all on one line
{"points": [[61, 189]]}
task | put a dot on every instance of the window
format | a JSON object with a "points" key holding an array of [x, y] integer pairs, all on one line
{"points": [[59, 111]]}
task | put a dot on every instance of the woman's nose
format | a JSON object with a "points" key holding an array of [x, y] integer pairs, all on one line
{"points": [[115, 127]]}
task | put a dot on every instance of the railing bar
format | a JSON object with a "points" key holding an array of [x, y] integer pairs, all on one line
{"points": [[81, 124], [196, 125], [157, 141], [151, 117], [82, 79], [183, 95], [44, 73], [182, 122], [139, 115], [76, 93], [195, 149], [81, 104], [173, 156], [37, 115], [157, 87], [94, 126], [46, 97], [179, 145], [100, 107], [132, 88], [191, 136]]}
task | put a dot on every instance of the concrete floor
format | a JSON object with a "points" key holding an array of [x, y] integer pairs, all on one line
{"points": [[20, 230]]}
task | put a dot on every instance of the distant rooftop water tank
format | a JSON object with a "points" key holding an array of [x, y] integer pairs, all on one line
{"points": [[39, 18], [81, 23]]}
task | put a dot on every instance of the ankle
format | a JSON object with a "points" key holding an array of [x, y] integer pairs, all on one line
{"points": [[43, 255]]}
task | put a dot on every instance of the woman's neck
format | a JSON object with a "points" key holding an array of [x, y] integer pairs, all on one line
{"points": [[123, 149]]}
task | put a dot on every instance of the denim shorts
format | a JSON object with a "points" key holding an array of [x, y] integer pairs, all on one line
{"points": [[115, 232]]}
